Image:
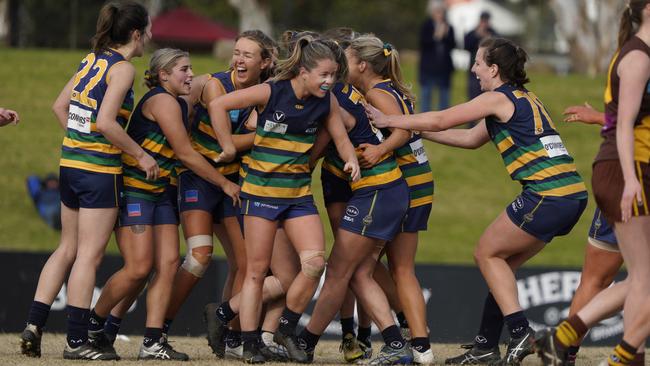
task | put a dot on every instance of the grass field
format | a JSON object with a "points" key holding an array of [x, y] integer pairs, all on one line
{"points": [[472, 187], [326, 353]]}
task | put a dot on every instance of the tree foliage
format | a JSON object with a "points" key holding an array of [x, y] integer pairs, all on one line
{"points": [[590, 28]]}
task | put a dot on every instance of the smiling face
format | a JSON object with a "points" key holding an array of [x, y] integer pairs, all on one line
{"points": [[320, 79], [247, 62], [484, 73], [179, 81]]}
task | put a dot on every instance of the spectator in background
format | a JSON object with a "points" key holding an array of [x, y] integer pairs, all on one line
{"points": [[472, 40], [47, 199], [8, 116], [436, 42]]}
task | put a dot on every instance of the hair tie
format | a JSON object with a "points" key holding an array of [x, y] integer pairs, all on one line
{"points": [[388, 49]]}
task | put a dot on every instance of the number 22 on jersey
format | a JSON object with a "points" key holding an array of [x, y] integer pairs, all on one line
{"points": [[89, 64]]}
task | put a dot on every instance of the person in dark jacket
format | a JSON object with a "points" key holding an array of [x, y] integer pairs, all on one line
{"points": [[472, 40], [436, 42]]}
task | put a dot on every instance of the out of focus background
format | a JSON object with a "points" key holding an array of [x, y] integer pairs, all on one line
{"points": [[570, 43]]}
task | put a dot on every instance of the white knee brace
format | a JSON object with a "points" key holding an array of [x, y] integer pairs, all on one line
{"points": [[309, 268], [192, 264]]}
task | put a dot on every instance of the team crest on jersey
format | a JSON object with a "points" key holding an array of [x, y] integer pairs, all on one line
{"points": [[278, 116]]}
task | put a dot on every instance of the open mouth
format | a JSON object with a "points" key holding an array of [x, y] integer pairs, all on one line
{"points": [[324, 87], [241, 71]]}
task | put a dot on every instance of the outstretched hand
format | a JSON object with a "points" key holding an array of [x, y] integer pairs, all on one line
{"points": [[375, 116], [583, 113], [8, 116]]}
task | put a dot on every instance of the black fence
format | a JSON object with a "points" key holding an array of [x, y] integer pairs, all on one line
{"points": [[454, 296]]}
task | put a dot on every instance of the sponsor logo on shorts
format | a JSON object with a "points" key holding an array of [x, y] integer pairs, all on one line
{"points": [[529, 217], [133, 210], [367, 220], [265, 205], [597, 224], [352, 211], [311, 130], [517, 204], [192, 195]]}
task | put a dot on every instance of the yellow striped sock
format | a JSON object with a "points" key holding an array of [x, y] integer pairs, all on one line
{"points": [[565, 334], [620, 357]]}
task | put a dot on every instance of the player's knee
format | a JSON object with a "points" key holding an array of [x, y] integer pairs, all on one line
{"points": [[199, 254], [596, 283], [139, 271], [312, 263], [359, 280], [479, 255], [273, 287], [168, 265], [67, 253], [401, 272]]}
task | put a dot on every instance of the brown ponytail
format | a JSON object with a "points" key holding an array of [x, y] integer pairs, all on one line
{"points": [[116, 21], [630, 18], [510, 58]]}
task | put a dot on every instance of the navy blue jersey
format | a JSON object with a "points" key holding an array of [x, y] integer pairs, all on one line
{"points": [[202, 134], [411, 157], [532, 149], [278, 165], [84, 147], [150, 137], [386, 170]]}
